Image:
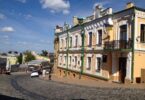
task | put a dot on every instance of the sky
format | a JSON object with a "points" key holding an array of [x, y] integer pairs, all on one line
{"points": [[30, 24]]}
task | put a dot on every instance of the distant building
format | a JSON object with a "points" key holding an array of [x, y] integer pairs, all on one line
{"points": [[106, 45]]}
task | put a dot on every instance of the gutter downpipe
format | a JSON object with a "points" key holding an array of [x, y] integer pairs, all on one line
{"points": [[133, 42], [67, 44], [82, 51]]}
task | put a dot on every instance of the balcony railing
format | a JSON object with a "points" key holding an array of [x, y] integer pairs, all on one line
{"points": [[118, 44]]}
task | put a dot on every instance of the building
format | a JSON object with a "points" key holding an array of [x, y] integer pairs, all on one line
{"points": [[106, 45]]}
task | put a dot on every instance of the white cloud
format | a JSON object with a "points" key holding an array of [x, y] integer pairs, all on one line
{"points": [[28, 16], [56, 5], [7, 29], [2, 16], [22, 1]]}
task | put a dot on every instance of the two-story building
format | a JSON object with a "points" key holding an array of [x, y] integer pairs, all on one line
{"points": [[106, 45]]}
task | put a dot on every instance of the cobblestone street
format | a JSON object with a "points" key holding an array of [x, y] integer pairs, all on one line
{"points": [[23, 87]]}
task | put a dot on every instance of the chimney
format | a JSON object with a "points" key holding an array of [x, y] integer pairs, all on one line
{"points": [[129, 5], [97, 11], [75, 21]]}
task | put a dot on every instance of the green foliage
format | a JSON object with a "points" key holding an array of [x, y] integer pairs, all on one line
{"points": [[44, 53], [20, 59], [29, 56]]}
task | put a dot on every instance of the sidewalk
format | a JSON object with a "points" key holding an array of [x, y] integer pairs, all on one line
{"points": [[93, 83]]}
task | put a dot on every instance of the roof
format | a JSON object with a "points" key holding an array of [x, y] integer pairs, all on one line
{"points": [[77, 26], [36, 62]]}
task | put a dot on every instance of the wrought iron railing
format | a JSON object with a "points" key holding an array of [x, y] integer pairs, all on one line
{"points": [[118, 44]]}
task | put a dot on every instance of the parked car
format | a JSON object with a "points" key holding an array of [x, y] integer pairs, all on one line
{"points": [[34, 74]]}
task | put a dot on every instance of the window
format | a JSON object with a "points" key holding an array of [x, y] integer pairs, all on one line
{"points": [[76, 41], [104, 58], [61, 43], [90, 38], [89, 63], [123, 32], [66, 42], [78, 62], [70, 60], [98, 64], [75, 61], [70, 42], [65, 60], [142, 34], [99, 37], [60, 59]]}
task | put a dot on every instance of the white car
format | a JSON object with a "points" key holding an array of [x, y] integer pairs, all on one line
{"points": [[35, 74]]}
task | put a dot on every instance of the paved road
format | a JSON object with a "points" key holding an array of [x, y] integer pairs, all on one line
{"points": [[37, 89]]}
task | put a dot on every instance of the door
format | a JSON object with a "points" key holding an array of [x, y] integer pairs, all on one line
{"points": [[122, 69]]}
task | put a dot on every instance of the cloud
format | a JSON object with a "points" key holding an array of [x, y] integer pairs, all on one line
{"points": [[7, 29], [2, 16], [28, 16], [22, 1], [56, 5]]}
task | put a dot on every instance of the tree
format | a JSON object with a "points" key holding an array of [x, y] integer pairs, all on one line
{"points": [[29, 56], [20, 58], [44, 53]]}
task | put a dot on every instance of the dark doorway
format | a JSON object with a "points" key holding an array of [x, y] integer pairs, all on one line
{"points": [[122, 68]]}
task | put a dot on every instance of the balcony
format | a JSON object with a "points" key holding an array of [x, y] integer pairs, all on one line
{"points": [[118, 44]]}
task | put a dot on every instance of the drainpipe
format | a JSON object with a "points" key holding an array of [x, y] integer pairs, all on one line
{"points": [[133, 41], [67, 47], [82, 51]]}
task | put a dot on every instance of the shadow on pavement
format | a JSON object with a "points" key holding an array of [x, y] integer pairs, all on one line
{"points": [[4, 97]]}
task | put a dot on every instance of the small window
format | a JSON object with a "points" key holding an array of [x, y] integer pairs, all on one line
{"points": [[75, 60], [104, 58]]}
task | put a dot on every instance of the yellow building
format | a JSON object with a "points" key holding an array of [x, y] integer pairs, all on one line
{"points": [[106, 45]]}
